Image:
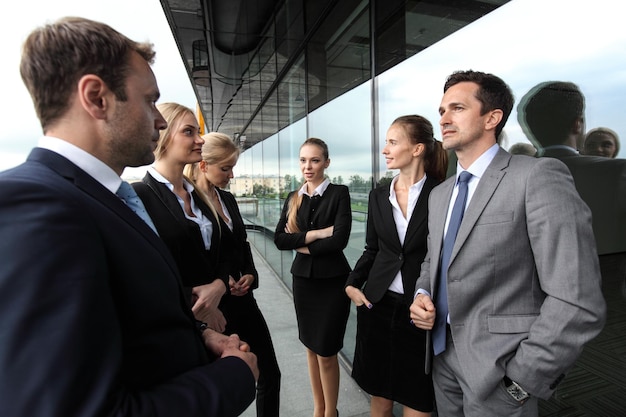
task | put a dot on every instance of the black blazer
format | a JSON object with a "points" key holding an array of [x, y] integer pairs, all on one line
{"points": [[601, 183], [236, 250], [326, 259], [93, 317], [182, 236], [384, 256]]}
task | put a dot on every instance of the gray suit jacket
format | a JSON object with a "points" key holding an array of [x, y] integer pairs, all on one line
{"points": [[523, 282]]}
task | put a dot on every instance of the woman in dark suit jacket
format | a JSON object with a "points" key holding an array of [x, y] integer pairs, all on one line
{"points": [[215, 262], [316, 223], [210, 175], [389, 354], [184, 220]]}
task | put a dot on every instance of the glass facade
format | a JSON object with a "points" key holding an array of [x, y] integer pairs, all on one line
{"points": [[344, 70]]}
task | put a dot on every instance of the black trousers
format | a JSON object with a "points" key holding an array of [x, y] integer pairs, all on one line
{"points": [[244, 318]]}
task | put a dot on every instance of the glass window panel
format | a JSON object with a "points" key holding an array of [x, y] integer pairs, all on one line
{"points": [[532, 47], [339, 53], [345, 125]]}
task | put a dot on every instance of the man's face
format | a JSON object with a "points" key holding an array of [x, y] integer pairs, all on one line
{"points": [[461, 122], [133, 130]]}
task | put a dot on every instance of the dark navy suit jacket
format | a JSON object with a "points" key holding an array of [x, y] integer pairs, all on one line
{"points": [[93, 317]]}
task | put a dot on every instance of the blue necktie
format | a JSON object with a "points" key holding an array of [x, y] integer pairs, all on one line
{"points": [[132, 200], [441, 299]]}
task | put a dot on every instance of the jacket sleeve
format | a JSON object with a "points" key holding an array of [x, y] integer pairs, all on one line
{"points": [[573, 311], [360, 273], [342, 223], [247, 261], [61, 347]]}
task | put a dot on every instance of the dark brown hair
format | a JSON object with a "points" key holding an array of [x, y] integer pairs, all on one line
{"points": [[493, 93], [57, 55], [420, 130]]}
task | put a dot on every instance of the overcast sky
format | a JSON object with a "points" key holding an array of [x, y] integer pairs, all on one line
{"points": [[140, 20]]}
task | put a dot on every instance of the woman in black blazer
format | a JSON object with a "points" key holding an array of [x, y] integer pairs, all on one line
{"points": [[389, 354], [185, 221], [316, 223], [210, 175]]}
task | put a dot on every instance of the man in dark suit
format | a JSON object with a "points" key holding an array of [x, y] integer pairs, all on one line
{"points": [[93, 318], [522, 280], [552, 116]]}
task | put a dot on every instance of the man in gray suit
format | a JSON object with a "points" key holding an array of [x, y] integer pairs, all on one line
{"points": [[522, 279]]}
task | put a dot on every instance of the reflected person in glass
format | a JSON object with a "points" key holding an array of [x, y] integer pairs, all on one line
{"points": [[601, 141], [390, 351], [315, 222]]}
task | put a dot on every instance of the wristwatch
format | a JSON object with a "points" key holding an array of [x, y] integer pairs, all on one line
{"points": [[515, 390]]}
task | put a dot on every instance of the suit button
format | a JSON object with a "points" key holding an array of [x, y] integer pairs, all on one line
{"points": [[400, 257]]}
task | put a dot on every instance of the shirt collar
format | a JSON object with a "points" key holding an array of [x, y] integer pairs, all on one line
{"points": [[415, 188], [100, 171], [160, 178], [478, 168], [318, 191]]}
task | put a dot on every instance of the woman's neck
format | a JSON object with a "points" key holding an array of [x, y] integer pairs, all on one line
{"points": [[310, 186], [171, 172], [205, 185], [409, 176]]}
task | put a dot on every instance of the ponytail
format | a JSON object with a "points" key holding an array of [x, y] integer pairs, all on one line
{"points": [[436, 165], [292, 212]]}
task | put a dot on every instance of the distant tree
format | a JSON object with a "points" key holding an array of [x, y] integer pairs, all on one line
{"points": [[261, 190], [290, 183], [386, 180], [358, 184]]}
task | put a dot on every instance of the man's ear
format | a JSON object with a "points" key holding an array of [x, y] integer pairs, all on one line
{"points": [[493, 119], [94, 96], [579, 126]]}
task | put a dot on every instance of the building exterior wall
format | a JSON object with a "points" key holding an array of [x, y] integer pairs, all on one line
{"points": [[523, 43]]}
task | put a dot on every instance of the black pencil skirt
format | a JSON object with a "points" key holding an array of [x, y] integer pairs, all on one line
{"points": [[322, 309], [389, 354]]}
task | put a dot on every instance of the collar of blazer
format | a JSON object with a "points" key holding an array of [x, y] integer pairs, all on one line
{"points": [[90, 186], [484, 191], [439, 206], [418, 217]]}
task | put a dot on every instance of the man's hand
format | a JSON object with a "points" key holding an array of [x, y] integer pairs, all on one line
{"points": [[224, 346], [423, 312]]}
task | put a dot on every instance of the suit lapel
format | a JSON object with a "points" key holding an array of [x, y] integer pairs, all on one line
{"points": [[386, 214], [420, 212], [486, 187], [167, 197], [93, 188], [438, 210]]}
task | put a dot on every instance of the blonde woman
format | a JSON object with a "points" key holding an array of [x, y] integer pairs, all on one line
{"points": [[211, 175], [315, 222], [185, 221]]}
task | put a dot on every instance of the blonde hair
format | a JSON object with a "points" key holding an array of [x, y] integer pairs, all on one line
{"points": [[217, 147], [296, 199], [172, 113]]}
